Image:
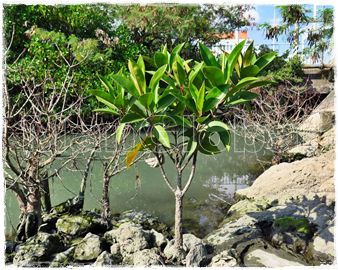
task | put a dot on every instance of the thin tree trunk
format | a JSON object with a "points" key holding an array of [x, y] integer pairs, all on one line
{"points": [[105, 197], [33, 217], [178, 220], [45, 196]]}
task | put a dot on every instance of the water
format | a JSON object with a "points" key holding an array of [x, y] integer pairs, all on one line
{"points": [[217, 178]]}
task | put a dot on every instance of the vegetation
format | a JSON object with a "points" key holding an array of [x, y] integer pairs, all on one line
{"points": [[174, 111], [319, 36], [78, 76]]}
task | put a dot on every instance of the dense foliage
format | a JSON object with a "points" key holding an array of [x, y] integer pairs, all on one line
{"points": [[175, 110]]}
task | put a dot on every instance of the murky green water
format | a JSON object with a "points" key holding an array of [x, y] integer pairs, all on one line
{"points": [[217, 178]]}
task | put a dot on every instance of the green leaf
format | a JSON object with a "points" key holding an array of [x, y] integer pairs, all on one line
{"points": [[210, 104], [107, 85], [156, 78], [181, 120], [217, 126], [138, 77], [165, 102], [223, 60], [106, 110], [225, 139], [249, 71], [179, 73], [162, 136], [241, 84], [174, 53], [103, 95], [194, 72], [249, 55], [160, 59], [207, 146], [265, 59], [214, 75], [200, 100], [192, 146], [207, 56], [140, 64], [132, 118], [119, 132], [202, 119], [242, 97], [146, 99], [107, 103], [232, 59], [126, 83]]}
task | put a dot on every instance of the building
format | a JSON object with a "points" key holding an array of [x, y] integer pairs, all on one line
{"points": [[227, 41]]}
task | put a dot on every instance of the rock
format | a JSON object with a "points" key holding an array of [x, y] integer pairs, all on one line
{"points": [[270, 257], [115, 249], [313, 147], [172, 255], [223, 259], [63, 259], [37, 250], [131, 238], [236, 235], [197, 256], [246, 206], [106, 259], [144, 219], [289, 227], [309, 176], [323, 245], [74, 225], [89, 248], [147, 257], [319, 121], [190, 241], [159, 239], [327, 140]]}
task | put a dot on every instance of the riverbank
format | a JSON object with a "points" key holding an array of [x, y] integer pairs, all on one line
{"points": [[286, 218]]}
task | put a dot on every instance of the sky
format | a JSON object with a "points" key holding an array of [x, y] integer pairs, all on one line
{"points": [[265, 13]]}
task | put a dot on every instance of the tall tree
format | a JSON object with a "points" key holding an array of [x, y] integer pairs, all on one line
{"points": [[175, 111], [153, 25], [293, 18]]}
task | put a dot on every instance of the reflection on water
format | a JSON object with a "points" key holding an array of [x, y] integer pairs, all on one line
{"points": [[205, 203]]}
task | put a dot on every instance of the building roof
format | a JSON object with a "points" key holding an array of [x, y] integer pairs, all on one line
{"points": [[242, 35]]}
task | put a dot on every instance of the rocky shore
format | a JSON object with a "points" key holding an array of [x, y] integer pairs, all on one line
{"points": [[286, 218]]}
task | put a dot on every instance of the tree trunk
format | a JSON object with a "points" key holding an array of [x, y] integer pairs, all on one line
{"points": [[178, 220], [33, 218], [105, 198], [45, 196]]}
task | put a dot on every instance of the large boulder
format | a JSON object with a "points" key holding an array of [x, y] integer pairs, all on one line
{"points": [[289, 227], [223, 259], [144, 219], [37, 250], [147, 257], [78, 225], [319, 121], [197, 256], [158, 239], [309, 176], [270, 257], [63, 259], [323, 245], [89, 248], [130, 237], [190, 241], [107, 259]]}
